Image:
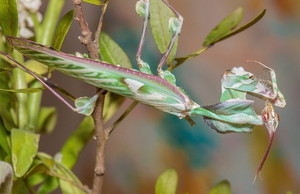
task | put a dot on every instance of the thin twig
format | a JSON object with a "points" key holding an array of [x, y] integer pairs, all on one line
{"points": [[109, 130], [79, 186], [98, 32]]}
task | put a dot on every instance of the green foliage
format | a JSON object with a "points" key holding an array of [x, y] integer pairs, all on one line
{"points": [[228, 24], [226, 27], [112, 53], [9, 17], [76, 142], [167, 182], [221, 188], [24, 148], [47, 119], [62, 29], [159, 22], [95, 2]]}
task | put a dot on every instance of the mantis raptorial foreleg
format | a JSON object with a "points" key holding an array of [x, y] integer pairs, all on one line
{"points": [[175, 25], [271, 120], [237, 82], [275, 95]]}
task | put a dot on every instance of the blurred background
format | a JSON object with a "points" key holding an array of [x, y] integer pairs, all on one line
{"points": [[149, 141]]}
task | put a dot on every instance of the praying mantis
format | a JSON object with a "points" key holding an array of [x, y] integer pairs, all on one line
{"points": [[233, 114]]}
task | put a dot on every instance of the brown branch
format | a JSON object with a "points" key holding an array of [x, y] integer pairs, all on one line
{"points": [[86, 37], [101, 139], [100, 135]]}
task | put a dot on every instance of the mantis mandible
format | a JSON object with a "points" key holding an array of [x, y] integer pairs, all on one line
{"points": [[233, 114]]}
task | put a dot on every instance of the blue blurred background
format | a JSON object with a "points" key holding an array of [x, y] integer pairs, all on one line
{"points": [[149, 141]]}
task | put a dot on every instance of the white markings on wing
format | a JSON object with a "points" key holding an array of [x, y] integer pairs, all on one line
{"points": [[133, 84]]}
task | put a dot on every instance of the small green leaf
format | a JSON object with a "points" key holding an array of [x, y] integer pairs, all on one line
{"points": [[112, 53], [62, 29], [159, 22], [26, 91], [76, 142], [94, 2], [6, 177], [47, 119], [240, 29], [224, 27], [167, 182], [24, 148], [9, 17], [221, 188]]}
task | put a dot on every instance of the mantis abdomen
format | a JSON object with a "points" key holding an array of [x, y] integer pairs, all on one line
{"points": [[146, 88]]}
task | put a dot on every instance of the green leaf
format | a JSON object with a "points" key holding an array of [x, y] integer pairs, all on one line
{"points": [[26, 90], [111, 105], [159, 22], [112, 53], [62, 29], [36, 67], [167, 182], [7, 102], [24, 148], [6, 177], [9, 17], [242, 28], [221, 188], [70, 183], [4, 138], [95, 2], [77, 141], [224, 27], [19, 186], [47, 119], [49, 185]]}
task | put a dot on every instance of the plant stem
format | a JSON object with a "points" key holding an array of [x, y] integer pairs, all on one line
{"points": [[101, 139], [100, 135], [19, 80]]}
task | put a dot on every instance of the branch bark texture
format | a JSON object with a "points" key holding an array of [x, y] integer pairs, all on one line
{"points": [[100, 135]]}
